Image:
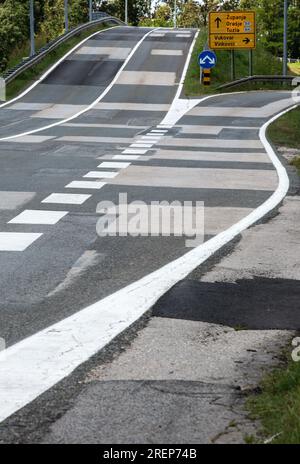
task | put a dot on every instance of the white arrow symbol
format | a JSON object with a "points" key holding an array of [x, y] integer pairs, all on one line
{"points": [[211, 60]]}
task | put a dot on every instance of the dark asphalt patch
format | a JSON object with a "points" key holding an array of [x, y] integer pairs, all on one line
{"points": [[255, 304], [78, 72]]}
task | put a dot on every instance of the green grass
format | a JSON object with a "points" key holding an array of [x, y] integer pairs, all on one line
{"points": [[28, 77], [263, 63], [286, 130], [278, 406], [295, 68]]}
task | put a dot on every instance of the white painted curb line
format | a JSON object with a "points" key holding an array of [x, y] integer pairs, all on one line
{"points": [[35, 364]]}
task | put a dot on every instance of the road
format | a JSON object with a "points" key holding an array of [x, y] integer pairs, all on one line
{"points": [[109, 120]]}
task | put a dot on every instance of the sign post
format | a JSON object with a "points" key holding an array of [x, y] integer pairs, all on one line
{"points": [[206, 60]]}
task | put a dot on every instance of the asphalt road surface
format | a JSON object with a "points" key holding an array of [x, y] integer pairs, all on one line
{"points": [[52, 261]]}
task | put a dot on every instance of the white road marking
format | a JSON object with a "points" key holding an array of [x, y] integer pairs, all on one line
{"points": [[85, 184], [147, 78], [126, 157], [112, 164], [141, 145], [67, 198], [16, 241], [133, 106], [134, 151], [114, 53], [101, 174], [110, 126], [183, 35], [158, 34], [35, 216], [165, 52], [158, 131], [87, 139]]}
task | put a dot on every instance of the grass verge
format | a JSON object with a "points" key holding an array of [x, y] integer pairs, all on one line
{"points": [[295, 68], [263, 63], [28, 77], [285, 131], [278, 406]]}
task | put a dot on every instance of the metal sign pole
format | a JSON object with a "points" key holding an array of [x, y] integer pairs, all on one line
{"points": [[31, 20], [250, 63], [232, 65], [126, 11], [175, 14], [285, 34], [66, 16], [91, 10]]}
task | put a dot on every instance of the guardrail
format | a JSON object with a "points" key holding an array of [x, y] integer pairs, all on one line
{"points": [[259, 79], [29, 62]]}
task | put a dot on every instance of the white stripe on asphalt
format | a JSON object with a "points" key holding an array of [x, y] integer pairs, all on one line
{"points": [[126, 157], [147, 78], [35, 216], [16, 241], [165, 52], [133, 106], [141, 145], [81, 184], [87, 139], [113, 53], [134, 151], [101, 174], [108, 164], [67, 198]]}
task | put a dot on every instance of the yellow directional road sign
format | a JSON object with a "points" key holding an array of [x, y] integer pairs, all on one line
{"points": [[232, 29]]}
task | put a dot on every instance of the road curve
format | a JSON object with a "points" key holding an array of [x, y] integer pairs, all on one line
{"points": [[51, 183]]}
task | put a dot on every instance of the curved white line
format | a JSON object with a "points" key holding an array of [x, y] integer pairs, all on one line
{"points": [[89, 107], [35, 364]]}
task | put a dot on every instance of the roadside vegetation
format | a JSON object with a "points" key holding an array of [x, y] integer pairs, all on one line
{"points": [[278, 406], [295, 68], [285, 132], [263, 63]]}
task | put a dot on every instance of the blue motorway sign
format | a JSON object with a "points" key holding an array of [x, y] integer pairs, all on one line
{"points": [[207, 59]]}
